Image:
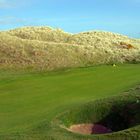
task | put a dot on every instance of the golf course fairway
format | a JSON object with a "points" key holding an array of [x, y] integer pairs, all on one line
{"points": [[30, 101]]}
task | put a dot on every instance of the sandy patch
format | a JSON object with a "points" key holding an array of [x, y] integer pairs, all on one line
{"points": [[89, 129]]}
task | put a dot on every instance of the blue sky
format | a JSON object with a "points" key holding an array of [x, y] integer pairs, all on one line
{"points": [[121, 16]]}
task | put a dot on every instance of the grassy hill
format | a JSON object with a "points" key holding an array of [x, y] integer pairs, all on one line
{"points": [[49, 49]]}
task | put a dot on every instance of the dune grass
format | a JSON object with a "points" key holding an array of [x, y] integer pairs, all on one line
{"points": [[29, 101], [46, 48]]}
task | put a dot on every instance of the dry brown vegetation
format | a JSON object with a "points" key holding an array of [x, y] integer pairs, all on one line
{"points": [[47, 48]]}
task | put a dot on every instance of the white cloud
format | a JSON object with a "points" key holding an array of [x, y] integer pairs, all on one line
{"points": [[14, 3], [12, 20], [7, 3]]}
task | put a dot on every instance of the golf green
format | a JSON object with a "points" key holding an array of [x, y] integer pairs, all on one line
{"points": [[29, 101]]}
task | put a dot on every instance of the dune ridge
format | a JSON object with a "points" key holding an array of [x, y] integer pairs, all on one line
{"points": [[48, 48]]}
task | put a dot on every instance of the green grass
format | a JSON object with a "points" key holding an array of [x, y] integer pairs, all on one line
{"points": [[30, 101], [112, 112]]}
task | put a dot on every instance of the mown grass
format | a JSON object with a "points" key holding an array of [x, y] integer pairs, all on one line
{"points": [[29, 102]]}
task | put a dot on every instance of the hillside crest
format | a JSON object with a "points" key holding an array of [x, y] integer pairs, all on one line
{"points": [[48, 48]]}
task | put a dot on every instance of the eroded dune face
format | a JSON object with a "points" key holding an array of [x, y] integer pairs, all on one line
{"points": [[47, 48]]}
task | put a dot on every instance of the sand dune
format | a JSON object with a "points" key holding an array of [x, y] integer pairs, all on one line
{"points": [[48, 48]]}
